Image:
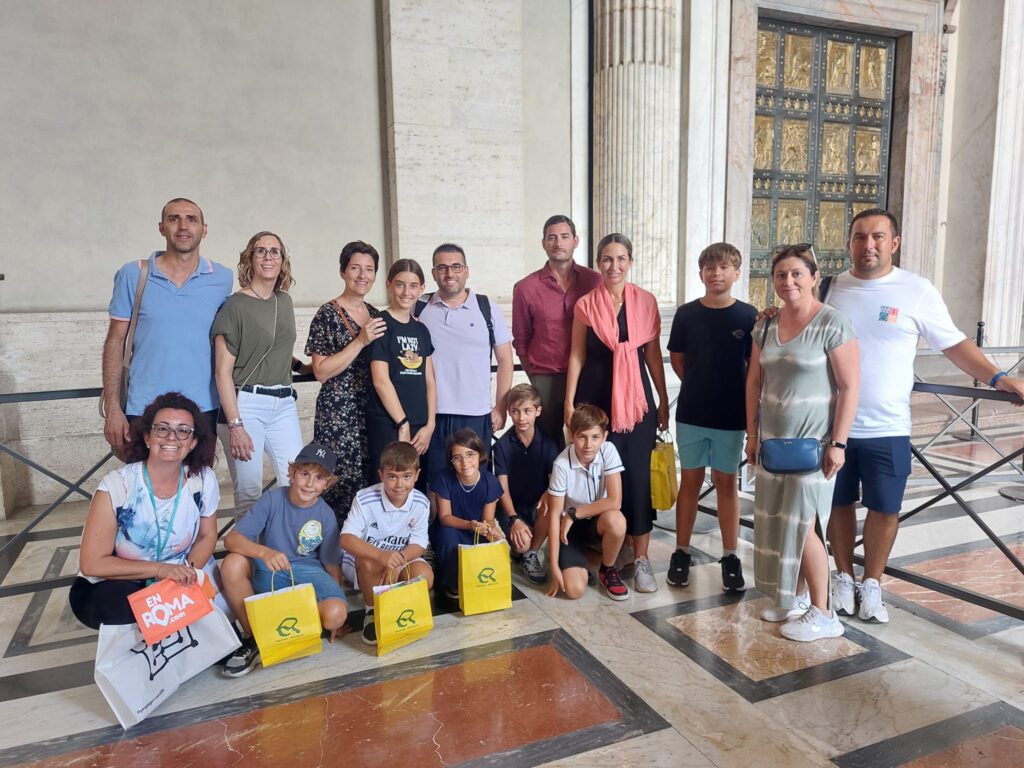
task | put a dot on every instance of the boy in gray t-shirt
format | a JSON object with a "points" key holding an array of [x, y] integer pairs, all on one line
{"points": [[287, 529]]}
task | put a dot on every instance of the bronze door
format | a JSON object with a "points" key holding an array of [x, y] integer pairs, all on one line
{"points": [[821, 141]]}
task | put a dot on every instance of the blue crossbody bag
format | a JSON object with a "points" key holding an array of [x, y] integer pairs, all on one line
{"points": [[787, 455]]}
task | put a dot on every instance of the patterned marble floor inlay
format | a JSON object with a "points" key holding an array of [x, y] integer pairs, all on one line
{"points": [[990, 737], [539, 695], [1002, 747], [756, 648], [724, 635]]}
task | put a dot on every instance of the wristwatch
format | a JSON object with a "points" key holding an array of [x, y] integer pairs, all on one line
{"points": [[571, 512], [837, 444]]}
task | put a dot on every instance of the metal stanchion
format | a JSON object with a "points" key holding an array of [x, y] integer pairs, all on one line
{"points": [[972, 434]]}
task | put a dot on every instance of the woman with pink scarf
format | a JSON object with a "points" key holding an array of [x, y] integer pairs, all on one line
{"points": [[616, 353]]}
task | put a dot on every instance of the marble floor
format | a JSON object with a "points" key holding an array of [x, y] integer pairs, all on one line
{"points": [[681, 677]]}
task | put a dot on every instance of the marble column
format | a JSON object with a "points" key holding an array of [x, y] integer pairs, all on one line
{"points": [[636, 135], [1003, 302]]}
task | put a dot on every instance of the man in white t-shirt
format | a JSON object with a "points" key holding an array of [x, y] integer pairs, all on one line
{"points": [[890, 309]]}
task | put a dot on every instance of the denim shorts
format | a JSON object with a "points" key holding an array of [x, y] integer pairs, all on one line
{"points": [[323, 583], [700, 447], [881, 465]]}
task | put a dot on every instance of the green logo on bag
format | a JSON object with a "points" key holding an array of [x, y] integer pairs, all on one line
{"points": [[405, 618], [486, 576], [288, 627]]}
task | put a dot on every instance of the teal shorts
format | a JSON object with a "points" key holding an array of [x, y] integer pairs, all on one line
{"points": [[699, 447]]}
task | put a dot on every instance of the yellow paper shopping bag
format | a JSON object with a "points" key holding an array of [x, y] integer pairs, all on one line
{"points": [[664, 483], [401, 613], [285, 622], [485, 577]]}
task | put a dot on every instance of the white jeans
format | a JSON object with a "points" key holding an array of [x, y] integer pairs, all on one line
{"points": [[273, 424]]}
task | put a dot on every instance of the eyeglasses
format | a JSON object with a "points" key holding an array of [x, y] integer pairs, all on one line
{"points": [[267, 254], [462, 458], [455, 269], [166, 430]]}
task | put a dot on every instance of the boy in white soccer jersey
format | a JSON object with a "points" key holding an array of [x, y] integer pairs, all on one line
{"points": [[386, 531]]}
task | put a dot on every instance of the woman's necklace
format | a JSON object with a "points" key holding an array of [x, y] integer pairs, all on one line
{"points": [[474, 485], [257, 295]]}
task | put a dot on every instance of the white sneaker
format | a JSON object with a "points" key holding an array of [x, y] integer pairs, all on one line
{"points": [[776, 614], [813, 625], [844, 594], [643, 576], [871, 608]]}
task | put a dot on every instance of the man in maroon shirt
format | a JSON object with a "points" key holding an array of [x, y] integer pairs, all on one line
{"points": [[542, 311]]}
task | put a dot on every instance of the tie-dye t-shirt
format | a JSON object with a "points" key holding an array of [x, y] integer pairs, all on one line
{"points": [[138, 522]]}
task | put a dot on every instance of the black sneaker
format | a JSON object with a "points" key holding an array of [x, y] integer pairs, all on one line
{"points": [[243, 660], [732, 574], [679, 569], [369, 630]]}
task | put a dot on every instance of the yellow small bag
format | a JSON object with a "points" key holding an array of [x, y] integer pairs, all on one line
{"points": [[285, 622], [401, 613], [485, 577], [664, 482]]}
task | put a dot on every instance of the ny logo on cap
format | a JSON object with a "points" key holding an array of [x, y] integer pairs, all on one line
{"points": [[321, 453]]}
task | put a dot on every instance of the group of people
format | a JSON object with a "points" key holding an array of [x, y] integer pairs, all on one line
{"points": [[403, 467]]}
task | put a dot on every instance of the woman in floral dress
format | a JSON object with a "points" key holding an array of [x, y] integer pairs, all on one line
{"points": [[339, 340]]}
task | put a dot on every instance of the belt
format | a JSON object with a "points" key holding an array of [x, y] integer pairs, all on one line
{"points": [[256, 389]]}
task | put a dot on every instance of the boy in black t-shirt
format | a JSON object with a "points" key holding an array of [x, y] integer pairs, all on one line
{"points": [[709, 349], [522, 463]]}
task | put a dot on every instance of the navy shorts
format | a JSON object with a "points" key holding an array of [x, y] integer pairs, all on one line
{"points": [[881, 465]]}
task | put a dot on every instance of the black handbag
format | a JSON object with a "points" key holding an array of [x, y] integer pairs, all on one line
{"points": [[787, 455]]}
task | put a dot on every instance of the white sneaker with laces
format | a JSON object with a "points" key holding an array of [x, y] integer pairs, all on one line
{"points": [[776, 614], [643, 576], [844, 594], [871, 608], [815, 624]]}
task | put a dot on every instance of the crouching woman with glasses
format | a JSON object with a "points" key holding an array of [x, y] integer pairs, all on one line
{"points": [[152, 519]]}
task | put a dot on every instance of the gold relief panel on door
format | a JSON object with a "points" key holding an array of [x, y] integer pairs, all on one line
{"points": [[839, 67], [789, 228], [793, 153], [831, 226], [871, 83], [764, 136], [760, 223], [867, 150], [799, 59], [767, 43], [835, 147]]}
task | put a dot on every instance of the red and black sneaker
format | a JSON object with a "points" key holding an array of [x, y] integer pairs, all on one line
{"points": [[612, 583]]}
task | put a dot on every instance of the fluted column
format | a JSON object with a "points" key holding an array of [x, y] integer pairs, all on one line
{"points": [[636, 135], [1003, 302]]}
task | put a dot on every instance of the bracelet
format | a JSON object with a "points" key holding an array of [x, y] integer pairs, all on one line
{"points": [[235, 424], [402, 423], [296, 365], [995, 379]]}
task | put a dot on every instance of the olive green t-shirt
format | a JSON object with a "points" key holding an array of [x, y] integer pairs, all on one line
{"points": [[249, 330]]}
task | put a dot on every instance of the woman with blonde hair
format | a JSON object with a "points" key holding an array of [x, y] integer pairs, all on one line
{"points": [[253, 338]]}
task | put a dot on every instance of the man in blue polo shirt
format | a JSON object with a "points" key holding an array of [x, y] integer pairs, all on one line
{"points": [[171, 350], [462, 340]]}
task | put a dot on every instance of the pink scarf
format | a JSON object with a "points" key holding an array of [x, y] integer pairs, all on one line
{"points": [[643, 323]]}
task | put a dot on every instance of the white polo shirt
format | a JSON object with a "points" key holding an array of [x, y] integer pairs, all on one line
{"points": [[583, 485]]}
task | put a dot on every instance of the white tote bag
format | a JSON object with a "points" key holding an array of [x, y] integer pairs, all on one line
{"points": [[136, 678]]}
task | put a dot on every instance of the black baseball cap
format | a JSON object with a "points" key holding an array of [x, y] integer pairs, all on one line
{"points": [[315, 453]]}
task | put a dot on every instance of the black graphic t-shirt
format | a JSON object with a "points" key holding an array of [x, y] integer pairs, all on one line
{"points": [[715, 344], [405, 347]]}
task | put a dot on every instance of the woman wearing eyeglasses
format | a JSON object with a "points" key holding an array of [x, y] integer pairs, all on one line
{"points": [[253, 337], [152, 519], [802, 382]]}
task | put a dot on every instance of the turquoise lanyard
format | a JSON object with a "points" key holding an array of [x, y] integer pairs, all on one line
{"points": [[174, 510]]}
